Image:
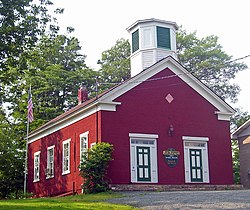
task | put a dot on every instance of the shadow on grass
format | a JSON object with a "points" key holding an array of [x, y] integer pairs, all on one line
{"points": [[92, 201]]}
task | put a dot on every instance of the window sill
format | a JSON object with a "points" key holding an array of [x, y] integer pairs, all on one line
{"points": [[37, 180], [66, 172], [49, 177]]}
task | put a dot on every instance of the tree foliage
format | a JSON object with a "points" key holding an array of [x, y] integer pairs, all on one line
{"points": [[203, 57], [236, 161], [206, 59], [56, 70], [22, 22], [11, 160], [239, 118], [94, 166], [115, 64], [33, 53]]}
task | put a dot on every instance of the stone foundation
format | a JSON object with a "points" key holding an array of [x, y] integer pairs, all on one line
{"points": [[153, 187]]}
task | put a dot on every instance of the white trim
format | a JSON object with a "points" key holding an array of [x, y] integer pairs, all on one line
{"points": [[66, 171], [238, 132], [84, 135], [92, 144], [48, 176], [183, 74], [153, 156], [72, 118], [106, 102], [205, 163], [34, 178], [50, 147], [143, 135], [194, 138], [224, 115]]}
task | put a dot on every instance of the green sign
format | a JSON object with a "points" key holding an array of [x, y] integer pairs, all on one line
{"points": [[171, 157]]}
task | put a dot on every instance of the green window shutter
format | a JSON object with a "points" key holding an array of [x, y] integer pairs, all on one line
{"points": [[163, 37], [135, 41]]}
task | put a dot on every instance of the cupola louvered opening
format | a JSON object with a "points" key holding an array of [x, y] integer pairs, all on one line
{"points": [[163, 37], [135, 41]]}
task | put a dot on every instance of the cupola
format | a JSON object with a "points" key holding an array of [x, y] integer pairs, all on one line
{"points": [[151, 40]]}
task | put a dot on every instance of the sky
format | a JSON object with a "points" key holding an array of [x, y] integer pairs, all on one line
{"points": [[100, 23]]}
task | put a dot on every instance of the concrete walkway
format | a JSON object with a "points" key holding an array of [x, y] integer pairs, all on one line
{"points": [[231, 199]]}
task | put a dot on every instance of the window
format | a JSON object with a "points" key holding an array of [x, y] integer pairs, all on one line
{"points": [[84, 138], [50, 162], [37, 166], [135, 41], [163, 37], [66, 157]]}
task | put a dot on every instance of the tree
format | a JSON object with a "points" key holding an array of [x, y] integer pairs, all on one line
{"points": [[55, 71], [115, 64], [11, 161], [94, 166], [206, 59], [239, 118], [203, 57], [22, 22], [40, 57]]}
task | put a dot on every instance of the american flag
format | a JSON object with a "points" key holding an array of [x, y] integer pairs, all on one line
{"points": [[30, 107]]}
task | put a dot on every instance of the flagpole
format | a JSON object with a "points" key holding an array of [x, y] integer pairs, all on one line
{"points": [[26, 160], [29, 119]]}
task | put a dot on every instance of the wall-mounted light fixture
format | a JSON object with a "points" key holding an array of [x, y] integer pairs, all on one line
{"points": [[171, 130]]}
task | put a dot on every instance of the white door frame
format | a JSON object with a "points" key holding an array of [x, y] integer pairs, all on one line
{"points": [[148, 141], [200, 143]]}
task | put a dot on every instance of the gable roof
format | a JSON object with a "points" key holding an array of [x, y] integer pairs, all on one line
{"points": [[243, 130], [105, 101]]}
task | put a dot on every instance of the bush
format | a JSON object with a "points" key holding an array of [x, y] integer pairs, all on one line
{"points": [[94, 167]]}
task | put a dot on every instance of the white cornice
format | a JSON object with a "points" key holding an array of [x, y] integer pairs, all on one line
{"points": [[106, 102], [143, 135], [152, 20], [224, 111], [194, 138], [72, 118]]}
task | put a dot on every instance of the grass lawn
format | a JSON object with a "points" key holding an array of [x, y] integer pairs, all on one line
{"points": [[91, 201]]}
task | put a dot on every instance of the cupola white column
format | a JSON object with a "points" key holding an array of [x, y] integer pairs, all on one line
{"points": [[151, 40]]}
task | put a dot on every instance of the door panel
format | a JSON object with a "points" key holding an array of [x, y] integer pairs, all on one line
{"points": [[143, 163], [196, 165]]}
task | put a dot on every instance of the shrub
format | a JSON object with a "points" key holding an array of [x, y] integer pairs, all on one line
{"points": [[93, 167]]}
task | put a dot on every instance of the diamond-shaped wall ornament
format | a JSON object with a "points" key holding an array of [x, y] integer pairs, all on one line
{"points": [[169, 98]]}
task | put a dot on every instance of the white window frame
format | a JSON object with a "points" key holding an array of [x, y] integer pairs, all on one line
{"points": [[84, 137], [66, 158], [50, 163], [92, 144], [37, 166], [205, 162]]}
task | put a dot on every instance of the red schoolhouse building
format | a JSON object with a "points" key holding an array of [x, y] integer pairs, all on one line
{"points": [[167, 128]]}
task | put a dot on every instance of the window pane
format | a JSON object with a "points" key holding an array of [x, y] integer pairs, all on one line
{"points": [[135, 41], [66, 156], [163, 37]]}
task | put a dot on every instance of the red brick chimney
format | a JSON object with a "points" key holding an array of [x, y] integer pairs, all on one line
{"points": [[82, 94]]}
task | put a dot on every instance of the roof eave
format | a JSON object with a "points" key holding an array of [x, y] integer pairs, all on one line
{"points": [[240, 129]]}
